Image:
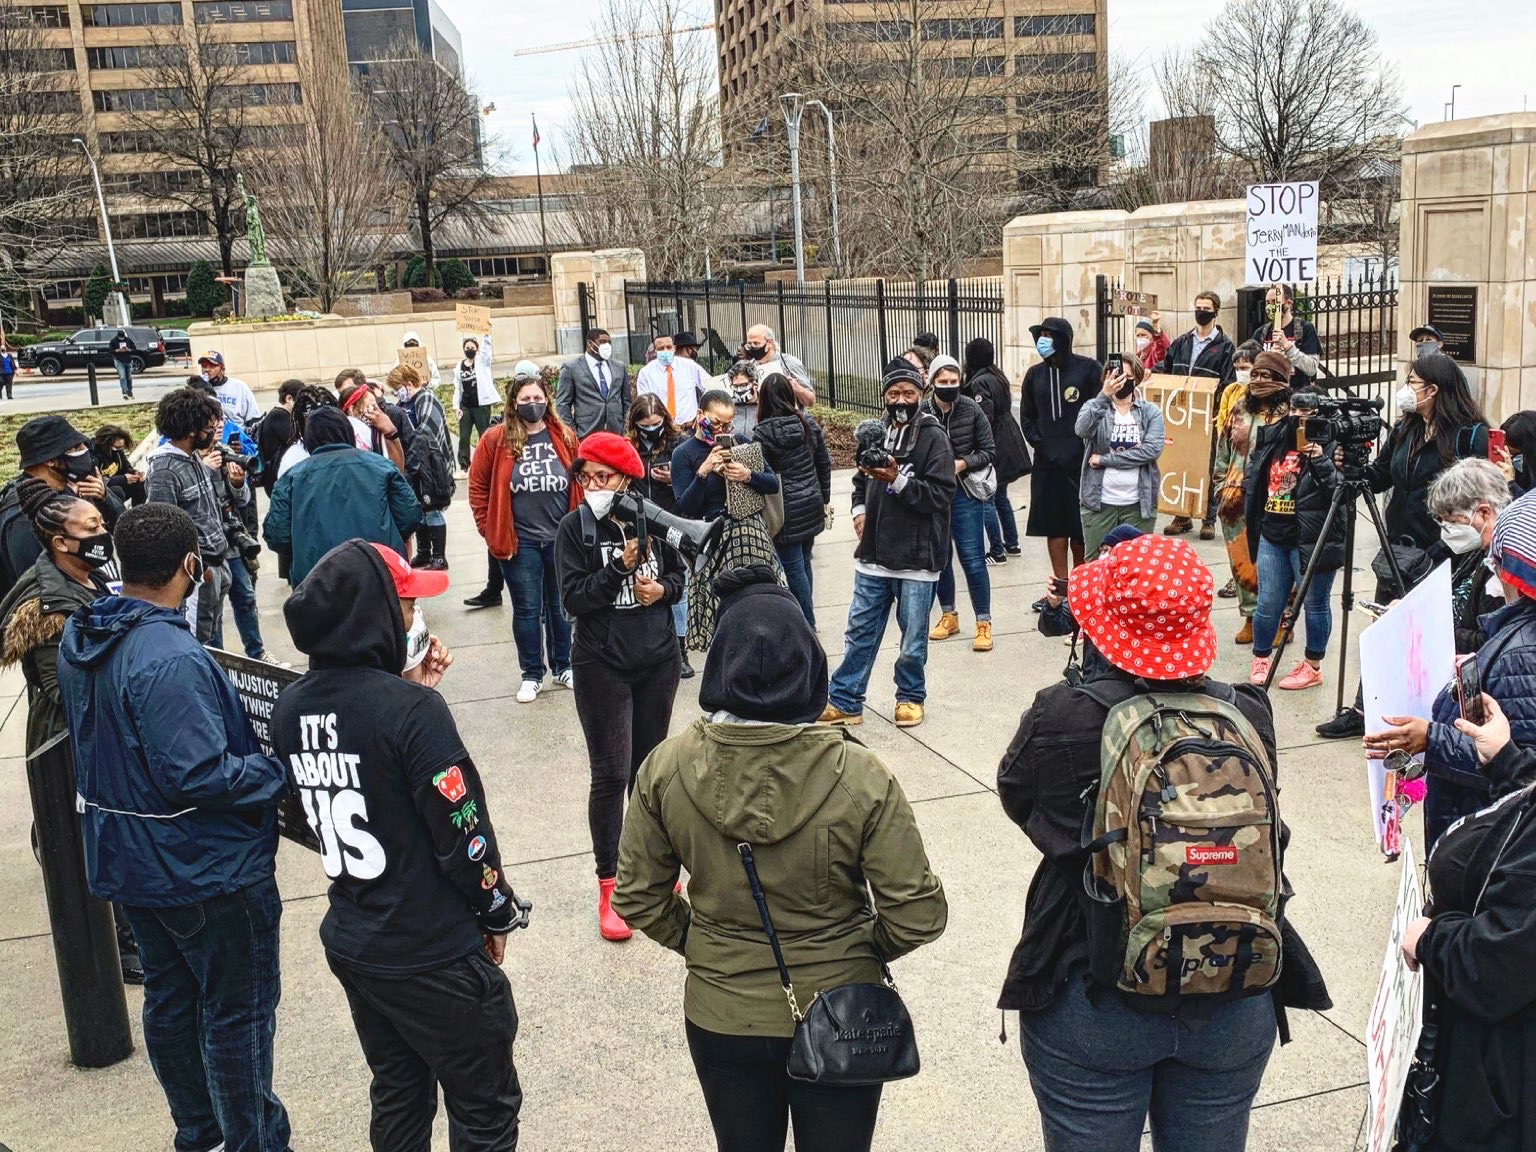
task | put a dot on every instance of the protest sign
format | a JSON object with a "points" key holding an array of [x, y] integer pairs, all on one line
{"points": [[1406, 657], [472, 319], [258, 685], [1281, 234], [1188, 404], [1392, 1032], [415, 358]]}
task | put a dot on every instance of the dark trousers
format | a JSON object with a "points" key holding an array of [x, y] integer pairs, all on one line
{"points": [[751, 1098], [452, 1026], [7, 380], [623, 716], [795, 559], [476, 420], [210, 1013]]}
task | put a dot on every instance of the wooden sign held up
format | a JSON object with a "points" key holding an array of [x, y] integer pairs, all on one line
{"points": [[415, 358], [1188, 404], [472, 319]]}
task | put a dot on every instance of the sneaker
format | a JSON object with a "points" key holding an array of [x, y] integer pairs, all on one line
{"points": [[1345, 725], [909, 713], [832, 714], [268, 658], [1228, 590], [1207, 530], [563, 678], [1259, 671], [1013, 550], [529, 692], [1178, 526], [1304, 675], [1245, 633], [983, 641], [948, 625], [485, 598], [997, 558]]}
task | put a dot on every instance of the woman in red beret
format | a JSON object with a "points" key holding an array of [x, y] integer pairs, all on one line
{"points": [[625, 658]]}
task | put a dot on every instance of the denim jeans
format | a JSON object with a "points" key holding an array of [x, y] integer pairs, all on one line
{"points": [[965, 527], [680, 611], [1002, 527], [124, 375], [1100, 1069], [1280, 570], [210, 1012], [242, 601], [205, 609], [535, 590], [795, 559], [867, 616]]}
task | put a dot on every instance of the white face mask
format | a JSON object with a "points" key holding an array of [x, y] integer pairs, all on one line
{"points": [[1143, 341], [417, 641], [605, 351], [1243, 375], [1407, 400], [600, 500], [1461, 538]]}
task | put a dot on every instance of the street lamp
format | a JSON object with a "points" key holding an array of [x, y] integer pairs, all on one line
{"points": [[793, 105], [837, 238], [101, 200], [1453, 100]]}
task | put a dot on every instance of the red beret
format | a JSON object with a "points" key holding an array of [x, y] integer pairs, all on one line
{"points": [[614, 451]]}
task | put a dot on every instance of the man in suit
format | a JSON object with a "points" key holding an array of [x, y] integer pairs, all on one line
{"points": [[594, 393]]}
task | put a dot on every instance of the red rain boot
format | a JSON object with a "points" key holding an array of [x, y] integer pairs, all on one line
{"points": [[609, 923]]}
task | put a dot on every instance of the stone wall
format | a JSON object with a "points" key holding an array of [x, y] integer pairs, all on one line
{"points": [[604, 273]]}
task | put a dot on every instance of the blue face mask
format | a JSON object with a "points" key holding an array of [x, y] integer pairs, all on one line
{"points": [[664, 357], [1045, 345]]}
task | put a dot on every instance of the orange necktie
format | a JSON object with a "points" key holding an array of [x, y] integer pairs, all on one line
{"points": [[671, 394]]}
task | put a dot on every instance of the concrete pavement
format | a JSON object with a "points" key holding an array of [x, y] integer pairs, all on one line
{"points": [[601, 1051]]}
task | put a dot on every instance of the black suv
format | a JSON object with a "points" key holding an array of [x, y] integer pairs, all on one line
{"points": [[93, 346]]}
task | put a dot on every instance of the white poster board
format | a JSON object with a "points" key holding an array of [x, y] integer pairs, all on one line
{"points": [[1406, 657], [1280, 246], [1392, 1032]]}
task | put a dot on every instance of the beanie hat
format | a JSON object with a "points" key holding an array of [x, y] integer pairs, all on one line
{"points": [[45, 438], [1276, 365], [327, 426], [764, 663], [899, 370], [525, 370], [1513, 547], [1145, 326], [613, 450], [942, 362]]}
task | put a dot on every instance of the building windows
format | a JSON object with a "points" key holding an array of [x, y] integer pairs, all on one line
{"points": [[987, 141], [978, 28], [955, 66], [129, 15], [241, 11], [372, 35], [44, 59], [1066, 24], [130, 142], [256, 95], [875, 31], [1054, 63], [48, 103], [169, 182], [992, 105], [484, 267], [158, 225], [251, 52], [136, 99], [46, 15], [132, 55]]}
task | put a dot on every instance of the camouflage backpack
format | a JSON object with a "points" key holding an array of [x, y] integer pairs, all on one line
{"points": [[1184, 878]]}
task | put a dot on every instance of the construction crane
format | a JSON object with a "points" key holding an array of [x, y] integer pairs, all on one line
{"points": [[598, 41]]}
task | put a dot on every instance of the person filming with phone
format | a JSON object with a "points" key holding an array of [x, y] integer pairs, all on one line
{"points": [[1505, 667]]}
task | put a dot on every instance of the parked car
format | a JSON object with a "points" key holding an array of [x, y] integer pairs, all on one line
{"points": [[178, 343], [93, 346]]}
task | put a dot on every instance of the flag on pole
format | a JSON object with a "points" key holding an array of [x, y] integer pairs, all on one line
{"points": [[535, 133]]}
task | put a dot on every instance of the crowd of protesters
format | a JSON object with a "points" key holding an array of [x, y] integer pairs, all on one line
{"points": [[116, 574]]}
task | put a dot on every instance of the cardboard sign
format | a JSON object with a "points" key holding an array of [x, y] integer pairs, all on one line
{"points": [[1123, 302], [1281, 234], [415, 358], [1392, 1033], [1188, 405], [472, 319]]}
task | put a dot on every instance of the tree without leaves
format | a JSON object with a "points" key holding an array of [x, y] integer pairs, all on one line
{"points": [[427, 136], [1069, 119], [327, 199]]}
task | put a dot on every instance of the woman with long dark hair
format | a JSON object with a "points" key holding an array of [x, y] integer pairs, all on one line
{"points": [[649, 428], [987, 384], [795, 449]]}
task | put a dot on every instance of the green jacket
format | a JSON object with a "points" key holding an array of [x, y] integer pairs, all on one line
{"points": [[823, 816]]}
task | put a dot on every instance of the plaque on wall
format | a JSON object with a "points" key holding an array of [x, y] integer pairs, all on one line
{"points": [[1453, 311]]}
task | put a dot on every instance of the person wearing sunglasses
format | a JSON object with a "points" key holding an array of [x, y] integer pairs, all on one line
{"points": [[624, 657]]}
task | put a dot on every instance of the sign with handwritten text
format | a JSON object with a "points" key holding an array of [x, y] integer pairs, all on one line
{"points": [[472, 319], [1392, 1032], [1280, 246], [1188, 404]]}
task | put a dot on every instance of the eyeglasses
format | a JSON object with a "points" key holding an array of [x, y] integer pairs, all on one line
{"points": [[598, 479]]}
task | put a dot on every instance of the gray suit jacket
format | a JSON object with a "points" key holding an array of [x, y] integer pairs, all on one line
{"points": [[580, 403]]}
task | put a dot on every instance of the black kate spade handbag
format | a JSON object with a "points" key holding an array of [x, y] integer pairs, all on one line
{"points": [[848, 1036]]}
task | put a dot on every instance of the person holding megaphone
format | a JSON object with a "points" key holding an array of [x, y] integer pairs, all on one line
{"points": [[619, 583]]}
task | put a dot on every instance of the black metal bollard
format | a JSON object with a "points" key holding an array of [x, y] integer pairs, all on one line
{"points": [[84, 935], [90, 378]]}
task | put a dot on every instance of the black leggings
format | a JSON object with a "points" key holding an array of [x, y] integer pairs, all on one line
{"points": [[751, 1098], [623, 716]]}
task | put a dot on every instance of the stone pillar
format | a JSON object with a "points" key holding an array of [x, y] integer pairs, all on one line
{"points": [[1176, 250], [567, 270], [610, 268], [1468, 213]]}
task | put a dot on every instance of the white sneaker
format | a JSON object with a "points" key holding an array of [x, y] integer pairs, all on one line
{"points": [[268, 658], [563, 678], [529, 692]]}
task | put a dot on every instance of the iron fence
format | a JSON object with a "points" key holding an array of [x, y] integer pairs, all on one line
{"points": [[845, 332], [1356, 322]]}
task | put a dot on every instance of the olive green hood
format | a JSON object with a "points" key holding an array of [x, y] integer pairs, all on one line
{"points": [[751, 786]]}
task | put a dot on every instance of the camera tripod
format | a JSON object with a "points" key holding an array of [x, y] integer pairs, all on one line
{"points": [[1352, 485]]}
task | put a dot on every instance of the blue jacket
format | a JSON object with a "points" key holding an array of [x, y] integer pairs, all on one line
{"points": [[340, 493], [1507, 666], [177, 801]]}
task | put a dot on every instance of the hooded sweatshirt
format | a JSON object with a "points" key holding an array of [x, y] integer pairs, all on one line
{"points": [[824, 816], [1053, 392], [384, 780]]}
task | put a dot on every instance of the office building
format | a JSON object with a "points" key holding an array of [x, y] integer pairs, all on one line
{"points": [[375, 27]]}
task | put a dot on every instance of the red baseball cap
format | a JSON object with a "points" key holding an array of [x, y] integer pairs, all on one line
{"points": [[411, 583], [1146, 605]]}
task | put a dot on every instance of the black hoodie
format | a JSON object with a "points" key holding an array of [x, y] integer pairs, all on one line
{"points": [[1053, 391], [384, 780]]}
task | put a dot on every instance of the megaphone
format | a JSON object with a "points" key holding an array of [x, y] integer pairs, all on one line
{"points": [[694, 539]]}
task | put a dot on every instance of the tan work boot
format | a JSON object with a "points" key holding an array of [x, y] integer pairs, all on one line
{"points": [[909, 714], [948, 625], [832, 714], [983, 641], [1245, 633]]}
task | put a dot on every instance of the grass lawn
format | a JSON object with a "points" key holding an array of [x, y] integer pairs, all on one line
{"points": [[139, 419]]}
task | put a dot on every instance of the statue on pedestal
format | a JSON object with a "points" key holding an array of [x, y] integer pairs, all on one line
{"points": [[255, 234], [263, 288]]}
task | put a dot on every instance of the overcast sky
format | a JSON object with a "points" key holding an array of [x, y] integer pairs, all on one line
{"points": [[1487, 46]]}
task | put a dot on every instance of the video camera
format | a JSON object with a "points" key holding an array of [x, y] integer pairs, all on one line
{"points": [[1352, 421], [694, 539], [869, 445], [251, 464]]}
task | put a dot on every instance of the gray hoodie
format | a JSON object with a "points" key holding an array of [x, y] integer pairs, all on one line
{"points": [[173, 477]]}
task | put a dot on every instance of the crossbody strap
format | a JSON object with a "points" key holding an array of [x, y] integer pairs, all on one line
{"points": [[750, 867]]}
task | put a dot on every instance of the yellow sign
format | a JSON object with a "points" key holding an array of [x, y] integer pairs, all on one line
{"points": [[472, 319], [415, 358], [1188, 405]]}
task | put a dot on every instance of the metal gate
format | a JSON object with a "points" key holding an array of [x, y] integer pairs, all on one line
{"points": [[1116, 311], [586, 302], [1356, 322]]}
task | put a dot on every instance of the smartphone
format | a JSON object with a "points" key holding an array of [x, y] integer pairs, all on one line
{"points": [[1469, 687], [1058, 586], [1495, 444], [1302, 443], [1372, 608]]}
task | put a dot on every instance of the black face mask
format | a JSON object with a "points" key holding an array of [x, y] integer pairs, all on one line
{"points": [[202, 441], [95, 551], [78, 466], [1125, 390], [650, 437], [948, 395], [756, 351], [531, 413], [1204, 316], [901, 414]]}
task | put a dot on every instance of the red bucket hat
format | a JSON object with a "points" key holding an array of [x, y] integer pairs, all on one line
{"points": [[1146, 605]]}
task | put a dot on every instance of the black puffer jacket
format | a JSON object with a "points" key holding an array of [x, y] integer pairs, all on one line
{"points": [[1314, 492], [907, 529], [1407, 468], [969, 433], [797, 452], [1053, 391], [990, 389]]}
